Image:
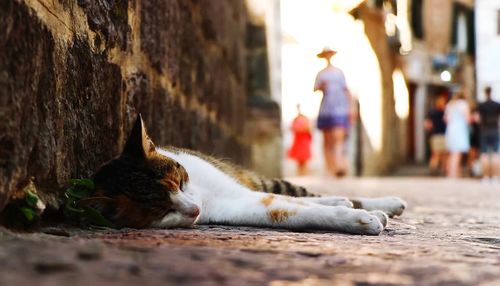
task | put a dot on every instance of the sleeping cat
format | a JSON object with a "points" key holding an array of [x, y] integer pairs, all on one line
{"points": [[168, 187]]}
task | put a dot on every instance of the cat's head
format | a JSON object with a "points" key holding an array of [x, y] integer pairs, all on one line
{"points": [[142, 188]]}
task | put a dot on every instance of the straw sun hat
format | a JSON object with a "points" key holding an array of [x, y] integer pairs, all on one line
{"points": [[326, 53]]}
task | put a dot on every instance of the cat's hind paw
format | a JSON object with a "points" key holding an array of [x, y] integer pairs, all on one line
{"points": [[393, 206], [365, 223]]}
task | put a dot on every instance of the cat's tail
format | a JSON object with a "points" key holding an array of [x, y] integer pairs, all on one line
{"points": [[282, 187]]}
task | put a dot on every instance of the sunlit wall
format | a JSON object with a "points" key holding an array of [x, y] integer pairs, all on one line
{"points": [[401, 96], [488, 47]]}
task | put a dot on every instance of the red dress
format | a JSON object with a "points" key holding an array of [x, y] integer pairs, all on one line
{"points": [[301, 147]]}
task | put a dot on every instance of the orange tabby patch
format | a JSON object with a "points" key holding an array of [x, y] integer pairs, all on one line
{"points": [[267, 200], [279, 215], [171, 183]]}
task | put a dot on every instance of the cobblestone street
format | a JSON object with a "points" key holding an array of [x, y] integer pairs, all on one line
{"points": [[449, 235]]}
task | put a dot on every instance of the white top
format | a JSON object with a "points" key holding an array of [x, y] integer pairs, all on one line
{"points": [[335, 102]]}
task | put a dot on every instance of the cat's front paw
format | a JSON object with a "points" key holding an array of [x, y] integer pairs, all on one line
{"points": [[363, 222]]}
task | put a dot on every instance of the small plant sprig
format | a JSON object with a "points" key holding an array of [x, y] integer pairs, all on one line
{"points": [[25, 208], [31, 207], [80, 189]]}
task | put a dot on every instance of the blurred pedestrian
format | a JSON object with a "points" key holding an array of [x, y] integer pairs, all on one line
{"points": [[435, 124], [488, 112], [335, 114], [301, 146], [473, 164], [457, 117]]}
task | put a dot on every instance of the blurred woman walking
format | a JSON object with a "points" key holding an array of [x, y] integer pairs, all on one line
{"points": [[335, 114], [457, 116]]}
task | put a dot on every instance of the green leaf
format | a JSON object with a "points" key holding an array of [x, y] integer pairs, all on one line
{"points": [[28, 213], [86, 183], [71, 215], [80, 189], [31, 199], [73, 209], [78, 193], [95, 218]]}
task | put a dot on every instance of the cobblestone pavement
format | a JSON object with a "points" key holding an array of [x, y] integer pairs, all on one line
{"points": [[449, 235]]}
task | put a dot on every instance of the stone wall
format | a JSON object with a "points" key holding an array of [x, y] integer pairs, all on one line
{"points": [[437, 22], [74, 75], [263, 126]]}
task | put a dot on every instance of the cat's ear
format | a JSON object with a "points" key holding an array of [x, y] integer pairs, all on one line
{"points": [[138, 144]]}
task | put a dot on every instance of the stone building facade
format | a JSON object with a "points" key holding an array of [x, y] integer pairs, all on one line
{"points": [[74, 75], [443, 44], [439, 39], [263, 126], [487, 47]]}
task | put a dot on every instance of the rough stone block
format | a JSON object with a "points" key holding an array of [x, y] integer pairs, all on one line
{"points": [[68, 101]]}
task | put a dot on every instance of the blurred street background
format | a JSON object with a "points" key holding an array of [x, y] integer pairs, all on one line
{"points": [[397, 56]]}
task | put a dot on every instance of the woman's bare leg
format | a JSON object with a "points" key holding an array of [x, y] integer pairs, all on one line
{"points": [[340, 160], [302, 168], [454, 165], [328, 151]]}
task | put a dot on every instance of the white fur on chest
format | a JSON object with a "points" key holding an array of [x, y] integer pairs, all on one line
{"points": [[212, 186]]}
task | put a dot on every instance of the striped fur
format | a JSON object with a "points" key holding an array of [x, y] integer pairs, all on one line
{"points": [[282, 187]]}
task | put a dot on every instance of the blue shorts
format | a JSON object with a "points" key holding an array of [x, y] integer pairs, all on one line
{"points": [[489, 141], [326, 122]]}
